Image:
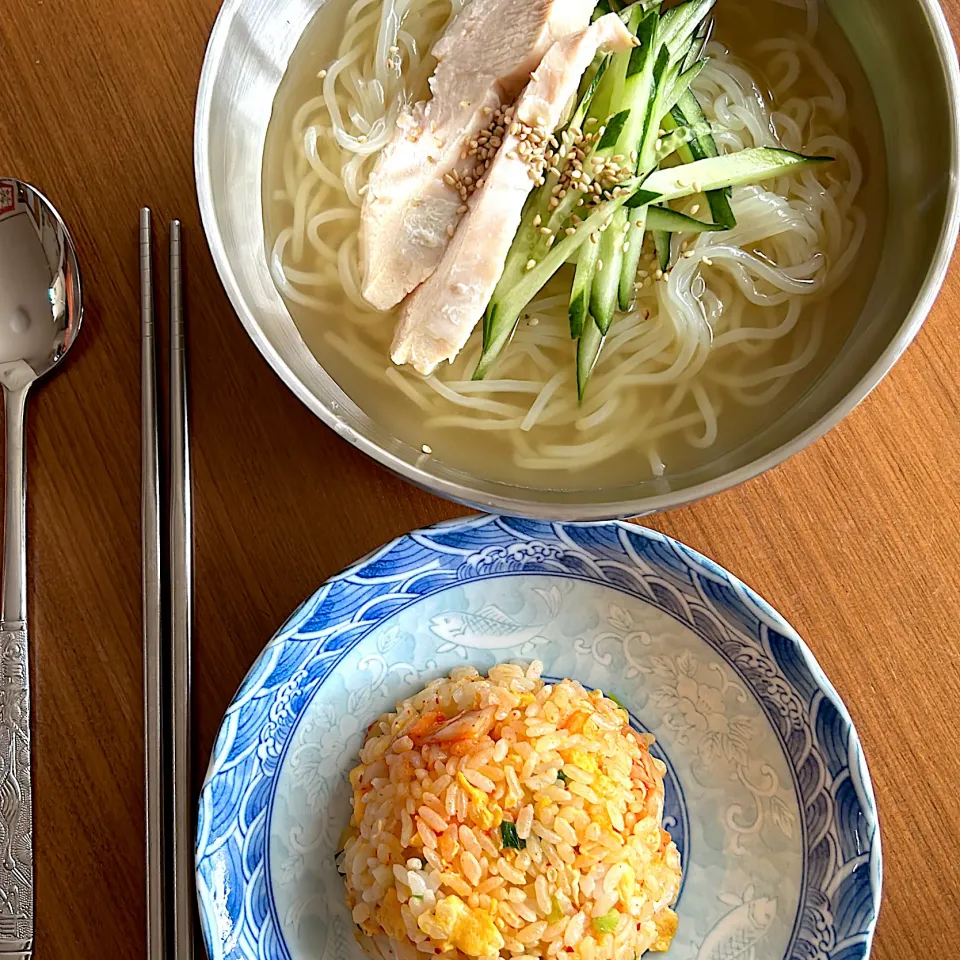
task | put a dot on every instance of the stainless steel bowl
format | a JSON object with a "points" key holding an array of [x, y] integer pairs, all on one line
{"points": [[908, 54]]}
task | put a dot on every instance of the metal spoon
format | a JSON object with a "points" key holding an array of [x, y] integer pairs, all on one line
{"points": [[40, 315]]}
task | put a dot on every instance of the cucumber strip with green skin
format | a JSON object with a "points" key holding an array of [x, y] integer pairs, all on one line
{"points": [[511, 295], [701, 37], [754, 165], [579, 309], [639, 80], [680, 24], [588, 351], [580, 113], [688, 111], [672, 221], [612, 131], [664, 74], [529, 241], [612, 6], [672, 142], [662, 243], [648, 69], [680, 86], [606, 281], [631, 256]]}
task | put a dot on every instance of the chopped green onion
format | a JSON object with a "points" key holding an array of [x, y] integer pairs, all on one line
{"points": [[508, 834], [562, 776], [556, 914], [616, 700], [607, 923]]}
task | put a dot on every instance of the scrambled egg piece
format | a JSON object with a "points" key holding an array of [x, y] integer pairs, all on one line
{"points": [[602, 784], [584, 761], [473, 932], [488, 815], [666, 921]]}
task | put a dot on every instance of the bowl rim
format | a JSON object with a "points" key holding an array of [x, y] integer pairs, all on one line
{"points": [[515, 502]]}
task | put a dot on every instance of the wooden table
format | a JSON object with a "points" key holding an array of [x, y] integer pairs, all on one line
{"points": [[856, 541]]}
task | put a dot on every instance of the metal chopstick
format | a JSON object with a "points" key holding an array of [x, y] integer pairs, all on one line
{"points": [[181, 612], [152, 642]]}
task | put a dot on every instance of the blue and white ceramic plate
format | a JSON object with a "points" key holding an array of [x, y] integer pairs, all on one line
{"points": [[768, 795]]}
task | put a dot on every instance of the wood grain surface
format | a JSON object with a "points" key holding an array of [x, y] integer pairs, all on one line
{"points": [[856, 540]]}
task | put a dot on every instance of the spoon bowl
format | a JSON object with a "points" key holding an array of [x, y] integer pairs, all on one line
{"points": [[41, 310], [40, 294]]}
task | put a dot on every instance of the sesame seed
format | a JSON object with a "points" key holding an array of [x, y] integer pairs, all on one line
{"points": [[570, 231], [362, 138], [599, 265], [462, 209], [688, 254], [533, 321], [697, 188], [322, 75], [707, 261], [486, 111], [537, 220], [658, 145], [593, 238], [659, 274], [626, 246], [695, 209], [394, 49], [531, 264], [427, 449], [546, 231], [450, 230]]}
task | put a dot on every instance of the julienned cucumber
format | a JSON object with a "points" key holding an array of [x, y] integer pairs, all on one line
{"points": [[748, 166], [670, 221], [689, 112], [588, 350], [661, 243], [579, 310], [511, 297]]}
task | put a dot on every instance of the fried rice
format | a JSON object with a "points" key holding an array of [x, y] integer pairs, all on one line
{"points": [[503, 816]]}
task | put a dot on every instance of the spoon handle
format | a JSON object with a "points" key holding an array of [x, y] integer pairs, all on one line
{"points": [[16, 790]]}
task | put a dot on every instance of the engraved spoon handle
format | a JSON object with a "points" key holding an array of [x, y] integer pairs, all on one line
{"points": [[16, 790]]}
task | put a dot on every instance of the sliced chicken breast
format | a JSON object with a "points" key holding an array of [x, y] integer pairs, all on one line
{"points": [[485, 58], [440, 315]]}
